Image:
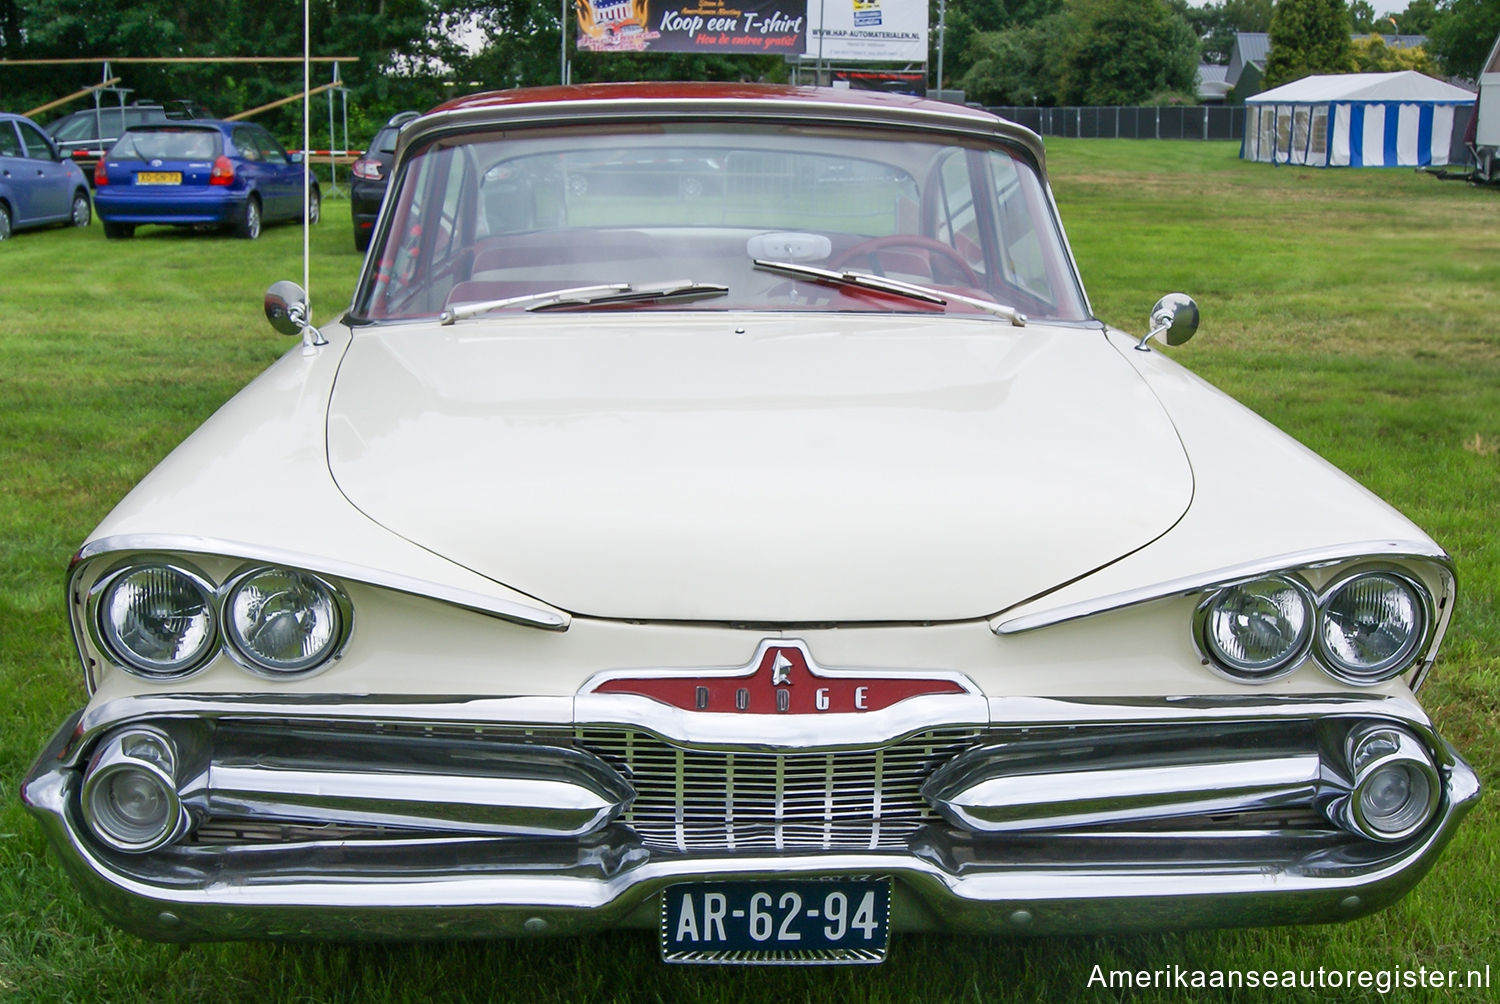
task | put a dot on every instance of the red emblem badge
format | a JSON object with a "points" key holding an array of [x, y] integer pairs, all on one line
{"points": [[782, 679]]}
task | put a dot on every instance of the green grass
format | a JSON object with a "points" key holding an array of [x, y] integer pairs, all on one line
{"points": [[1354, 309]]}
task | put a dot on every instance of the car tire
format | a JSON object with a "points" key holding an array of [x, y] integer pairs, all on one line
{"points": [[4, 221], [248, 226], [361, 240], [119, 231], [82, 213], [314, 213]]}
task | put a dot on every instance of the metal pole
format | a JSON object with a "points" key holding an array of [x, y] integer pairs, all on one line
{"points": [[942, 38], [333, 167], [822, 30], [562, 35]]}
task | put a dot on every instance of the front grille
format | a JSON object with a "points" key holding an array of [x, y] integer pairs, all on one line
{"points": [[687, 799], [711, 800]]}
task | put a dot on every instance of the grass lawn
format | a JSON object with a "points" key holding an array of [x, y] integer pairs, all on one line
{"points": [[1356, 309]]}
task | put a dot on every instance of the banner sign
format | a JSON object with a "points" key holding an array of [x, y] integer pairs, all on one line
{"points": [[872, 31], [912, 82], [756, 27]]}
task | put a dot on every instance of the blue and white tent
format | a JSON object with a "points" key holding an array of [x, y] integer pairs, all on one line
{"points": [[1400, 119]]}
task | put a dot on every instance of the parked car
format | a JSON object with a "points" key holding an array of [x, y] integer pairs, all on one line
{"points": [[369, 176], [776, 570], [84, 136], [38, 185], [200, 173]]}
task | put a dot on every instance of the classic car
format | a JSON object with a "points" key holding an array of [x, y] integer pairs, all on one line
{"points": [[774, 570]]}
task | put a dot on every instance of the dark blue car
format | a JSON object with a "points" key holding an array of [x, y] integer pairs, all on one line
{"points": [[37, 184], [200, 173]]}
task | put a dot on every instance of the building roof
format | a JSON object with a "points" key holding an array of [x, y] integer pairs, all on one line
{"points": [[1405, 85]]}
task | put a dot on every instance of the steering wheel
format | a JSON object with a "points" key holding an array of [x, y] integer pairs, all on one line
{"points": [[875, 245]]}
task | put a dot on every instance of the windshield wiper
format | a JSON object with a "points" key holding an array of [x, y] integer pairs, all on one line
{"points": [[574, 296], [883, 284], [673, 289]]}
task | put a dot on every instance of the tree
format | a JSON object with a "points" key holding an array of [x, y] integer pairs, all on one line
{"points": [[1308, 37], [1462, 33], [1217, 24], [1372, 55], [1417, 18], [1125, 52], [1015, 66]]}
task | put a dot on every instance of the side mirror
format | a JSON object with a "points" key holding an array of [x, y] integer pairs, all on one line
{"points": [[286, 309], [1174, 318], [295, 158]]}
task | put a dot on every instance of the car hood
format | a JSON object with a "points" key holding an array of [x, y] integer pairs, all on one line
{"points": [[757, 468]]}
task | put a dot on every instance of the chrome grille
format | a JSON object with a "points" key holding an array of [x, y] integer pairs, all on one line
{"points": [[706, 800]]}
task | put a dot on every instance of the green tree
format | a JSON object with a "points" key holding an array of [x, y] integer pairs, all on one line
{"points": [[1015, 66], [1216, 24], [1372, 55], [1462, 34], [1308, 37], [1417, 18], [1125, 52]]}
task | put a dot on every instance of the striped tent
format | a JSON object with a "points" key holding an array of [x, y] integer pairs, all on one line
{"points": [[1400, 119]]}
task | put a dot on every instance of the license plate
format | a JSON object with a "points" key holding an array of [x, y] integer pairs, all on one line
{"points": [[159, 178], [776, 923]]}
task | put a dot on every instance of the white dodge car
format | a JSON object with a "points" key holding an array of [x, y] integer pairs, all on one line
{"points": [[720, 512]]}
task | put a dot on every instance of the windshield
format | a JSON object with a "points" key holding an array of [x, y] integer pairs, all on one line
{"points": [[479, 219]]}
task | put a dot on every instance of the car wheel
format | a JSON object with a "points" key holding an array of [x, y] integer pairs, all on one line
{"points": [[314, 206], [119, 231], [4, 221], [82, 213], [249, 225]]}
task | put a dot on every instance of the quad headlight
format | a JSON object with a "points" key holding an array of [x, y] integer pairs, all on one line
{"points": [[158, 619], [1259, 630], [1363, 628], [161, 619], [279, 621], [1371, 626]]}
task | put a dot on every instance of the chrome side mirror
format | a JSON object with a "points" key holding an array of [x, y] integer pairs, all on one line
{"points": [[1174, 318], [286, 309]]}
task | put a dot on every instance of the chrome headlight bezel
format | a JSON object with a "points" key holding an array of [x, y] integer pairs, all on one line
{"points": [[215, 586], [241, 652], [1286, 663], [1409, 652], [1408, 657], [105, 636]]}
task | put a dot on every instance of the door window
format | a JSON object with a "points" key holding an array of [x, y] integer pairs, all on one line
{"points": [[37, 147], [9, 145]]}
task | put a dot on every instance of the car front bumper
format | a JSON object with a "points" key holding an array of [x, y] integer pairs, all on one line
{"points": [[1258, 862]]}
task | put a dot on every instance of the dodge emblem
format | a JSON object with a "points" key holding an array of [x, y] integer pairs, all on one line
{"points": [[781, 679]]}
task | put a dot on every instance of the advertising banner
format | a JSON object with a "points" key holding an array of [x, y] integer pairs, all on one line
{"points": [[755, 27], [871, 31]]}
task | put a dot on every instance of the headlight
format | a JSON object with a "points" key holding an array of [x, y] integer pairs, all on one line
{"points": [[1371, 627], [158, 620], [1257, 631], [279, 621]]}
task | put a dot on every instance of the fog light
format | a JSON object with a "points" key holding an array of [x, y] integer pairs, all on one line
{"points": [[1396, 785], [130, 795]]}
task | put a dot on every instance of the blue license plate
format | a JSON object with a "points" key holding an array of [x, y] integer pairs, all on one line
{"points": [[807, 922]]}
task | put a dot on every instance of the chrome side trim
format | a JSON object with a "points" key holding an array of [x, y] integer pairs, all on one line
{"points": [[996, 790], [517, 613], [514, 790], [1200, 581]]}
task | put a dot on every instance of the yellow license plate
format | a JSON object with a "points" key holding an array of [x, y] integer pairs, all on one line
{"points": [[159, 178]]}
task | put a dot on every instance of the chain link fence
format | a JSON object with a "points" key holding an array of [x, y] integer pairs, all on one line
{"points": [[1149, 122]]}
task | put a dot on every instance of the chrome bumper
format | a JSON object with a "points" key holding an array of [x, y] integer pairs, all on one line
{"points": [[1131, 875]]}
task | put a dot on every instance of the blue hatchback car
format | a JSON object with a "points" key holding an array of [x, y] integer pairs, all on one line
{"points": [[37, 184], [200, 173]]}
